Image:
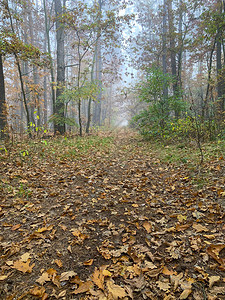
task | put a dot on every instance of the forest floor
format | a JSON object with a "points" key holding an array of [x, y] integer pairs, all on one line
{"points": [[106, 218]]}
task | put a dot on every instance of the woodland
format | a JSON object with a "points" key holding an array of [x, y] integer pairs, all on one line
{"points": [[112, 149]]}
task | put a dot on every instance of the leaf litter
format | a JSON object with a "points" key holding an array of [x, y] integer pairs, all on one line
{"points": [[112, 224]]}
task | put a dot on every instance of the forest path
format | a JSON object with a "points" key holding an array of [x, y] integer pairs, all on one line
{"points": [[111, 224]]}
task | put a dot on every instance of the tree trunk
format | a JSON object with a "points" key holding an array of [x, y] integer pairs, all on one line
{"points": [[2, 101], [164, 61], [51, 62], [59, 105]]}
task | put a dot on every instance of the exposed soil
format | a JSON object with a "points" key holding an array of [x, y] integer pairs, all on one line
{"points": [[117, 224]]}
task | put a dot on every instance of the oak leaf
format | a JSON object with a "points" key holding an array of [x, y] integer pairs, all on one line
{"points": [[116, 291], [43, 278], [23, 266]]}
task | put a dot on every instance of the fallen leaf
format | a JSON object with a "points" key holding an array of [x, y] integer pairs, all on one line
{"points": [[185, 294], [3, 277], [58, 262], [166, 271], [115, 290], [212, 280], [164, 286], [88, 262], [84, 287], [199, 227], [25, 257], [183, 227], [37, 291], [147, 226], [98, 277], [43, 278], [15, 227], [23, 266], [181, 218], [67, 275]]}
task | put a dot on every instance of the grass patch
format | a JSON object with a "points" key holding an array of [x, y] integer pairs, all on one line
{"points": [[57, 148]]}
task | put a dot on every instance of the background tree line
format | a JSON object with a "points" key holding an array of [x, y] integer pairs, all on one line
{"points": [[59, 63], [180, 57]]}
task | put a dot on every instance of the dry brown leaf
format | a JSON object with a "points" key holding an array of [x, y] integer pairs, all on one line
{"points": [[199, 227], [43, 278], [147, 226], [84, 287], [185, 294], [25, 257], [164, 286], [58, 262], [214, 251], [212, 280], [116, 291], [64, 228], [155, 272], [3, 277], [166, 271], [37, 291], [15, 227], [88, 262], [43, 229], [209, 236], [175, 280], [67, 275], [183, 227], [98, 277], [23, 266]]}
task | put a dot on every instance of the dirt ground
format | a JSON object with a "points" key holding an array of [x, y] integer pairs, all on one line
{"points": [[117, 224]]}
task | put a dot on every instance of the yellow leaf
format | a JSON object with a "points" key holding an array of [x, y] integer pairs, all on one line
{"points": [[181, 218], [3, 277], [115, 290], [185, 294], [43, 278], [106, 273], [23, 266]]}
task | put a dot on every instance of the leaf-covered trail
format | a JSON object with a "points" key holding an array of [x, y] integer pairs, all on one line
{"points": [[113, 224]]}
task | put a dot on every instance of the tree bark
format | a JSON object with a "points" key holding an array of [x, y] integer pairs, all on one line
{"points": [[47, 30], [59, 105], [164, 61], [2, 101]]}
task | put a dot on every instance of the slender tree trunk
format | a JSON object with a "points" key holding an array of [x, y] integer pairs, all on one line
{"points": [[2, 101], [164, 61], [20, 77], [59, 106], [90, 99], [47, 32], [98, 104]]}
